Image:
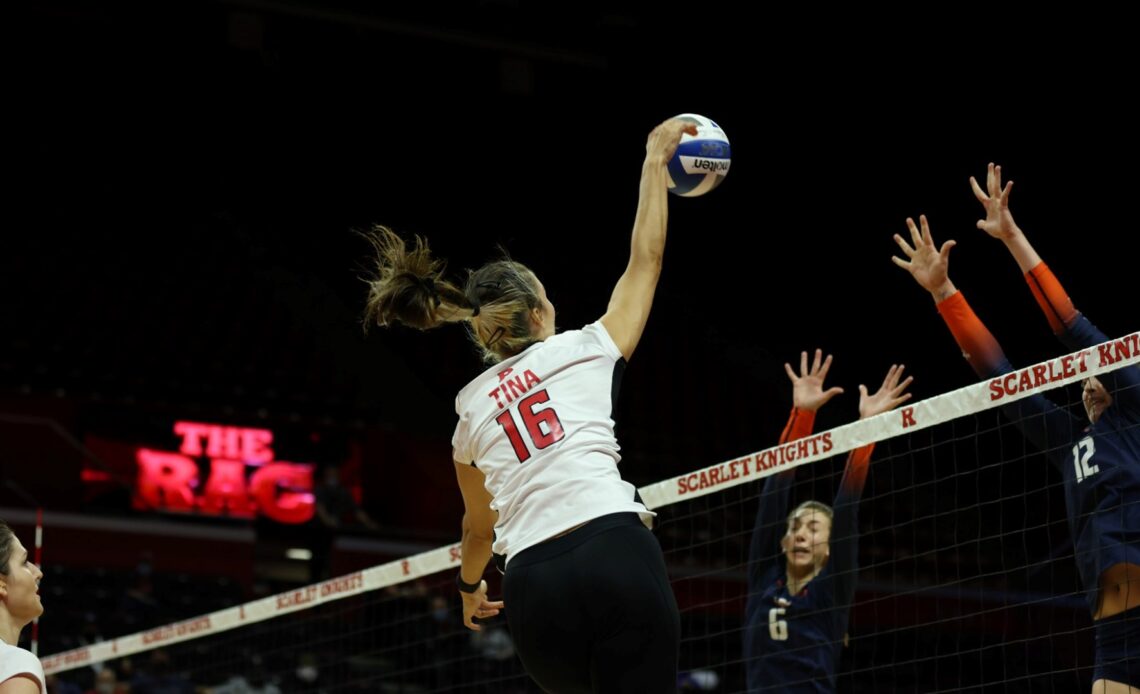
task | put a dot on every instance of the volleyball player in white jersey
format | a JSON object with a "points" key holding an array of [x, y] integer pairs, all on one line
{"points": [[20, 671], [589, 602]]}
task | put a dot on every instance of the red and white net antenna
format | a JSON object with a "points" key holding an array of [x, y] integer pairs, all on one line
{"points": [[39, 555]]}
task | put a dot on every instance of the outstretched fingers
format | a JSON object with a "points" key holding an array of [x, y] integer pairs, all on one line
{"points": [[817, 368], [891, 382], [894, 389], [915, 235], [922, 258], [978, 192], [993, 181], [945, 251], [909, 249], [891, 393], [808, 386], [927, 239], [1005, 193]]}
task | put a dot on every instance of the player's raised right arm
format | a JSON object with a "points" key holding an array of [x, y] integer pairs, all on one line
{"points": [[929, 265], [1039, 420], [632, 298]]}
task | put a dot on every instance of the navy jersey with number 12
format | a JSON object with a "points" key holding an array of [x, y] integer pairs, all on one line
{"points": [[1099, 463]]}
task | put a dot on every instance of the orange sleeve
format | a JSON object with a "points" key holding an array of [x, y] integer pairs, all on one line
{"points": [[1051, 297], [799, 425], [855, 476], [975, 340]]}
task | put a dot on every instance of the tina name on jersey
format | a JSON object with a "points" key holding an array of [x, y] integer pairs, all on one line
{"points": [[511, 388]]}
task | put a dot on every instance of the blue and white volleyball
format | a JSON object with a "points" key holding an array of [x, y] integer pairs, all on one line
{"points": [[701, 161]]}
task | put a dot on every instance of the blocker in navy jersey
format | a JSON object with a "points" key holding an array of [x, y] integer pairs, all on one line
{"points": [[802, 566], [792, 643], [1100, 463]]}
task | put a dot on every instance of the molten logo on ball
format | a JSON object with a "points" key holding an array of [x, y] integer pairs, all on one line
{"points": [[701, 161]]}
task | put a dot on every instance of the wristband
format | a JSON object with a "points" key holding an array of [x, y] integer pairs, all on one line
{"points": [[465, 587]]}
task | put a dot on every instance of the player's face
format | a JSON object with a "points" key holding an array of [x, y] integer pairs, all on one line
{"points": [[21, 586], [1096, 398], [544, 321], [806, 542]]}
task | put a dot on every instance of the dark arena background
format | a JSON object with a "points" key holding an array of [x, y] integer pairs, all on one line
{"points": [[182, 288]]}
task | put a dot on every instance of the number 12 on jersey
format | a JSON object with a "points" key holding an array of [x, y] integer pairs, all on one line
{"points": [[533, 421]]}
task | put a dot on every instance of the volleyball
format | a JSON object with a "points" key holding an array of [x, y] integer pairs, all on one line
{"points": [[701, 161]]}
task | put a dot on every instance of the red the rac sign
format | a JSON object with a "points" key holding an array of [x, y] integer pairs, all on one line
{"points": [[243, 478]]}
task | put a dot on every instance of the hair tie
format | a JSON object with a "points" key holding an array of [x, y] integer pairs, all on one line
{"points": [[475, 305], [494, 337]]}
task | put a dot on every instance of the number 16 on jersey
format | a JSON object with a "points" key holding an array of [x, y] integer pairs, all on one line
{"points": [[543, 426]]}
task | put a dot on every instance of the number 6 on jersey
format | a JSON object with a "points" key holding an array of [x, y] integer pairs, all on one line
{"points": [[533, 420], [777, 628]]}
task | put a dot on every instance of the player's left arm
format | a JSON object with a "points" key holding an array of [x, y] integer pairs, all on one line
{"points": [[1074, 330], [1077, 332], [475, 547], [845, 524]]}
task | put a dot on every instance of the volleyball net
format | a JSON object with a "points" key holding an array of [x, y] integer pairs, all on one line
{"points": [[966, 575]]}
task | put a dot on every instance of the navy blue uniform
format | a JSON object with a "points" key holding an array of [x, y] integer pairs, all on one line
{"points": [[1099, 463], [792, 643]]}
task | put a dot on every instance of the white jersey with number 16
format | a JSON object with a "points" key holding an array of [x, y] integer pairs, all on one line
{"points": [[539, 426]]}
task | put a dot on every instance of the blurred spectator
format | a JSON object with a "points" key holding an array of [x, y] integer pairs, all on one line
{"points": [[698, 681], [336, 508], [159, 677], [306, 674], [493, 643], [257, 683], [55, 685], [107, 682], [139, 608], [89, 635], [254, 681]]}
